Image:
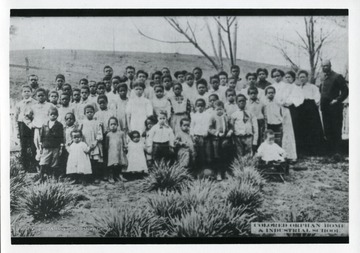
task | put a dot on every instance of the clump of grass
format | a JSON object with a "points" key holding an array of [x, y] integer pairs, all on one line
{"points": [[244, 194], [48, 199], [168, 204], [250, 175], [212, 221], [166, 177], [18, 184], [245, 161], [125, 222], [295, 215], [20, 230]]}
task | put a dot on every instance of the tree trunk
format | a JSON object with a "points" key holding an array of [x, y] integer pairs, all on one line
{"points": [[235, 40], [220, 48]]}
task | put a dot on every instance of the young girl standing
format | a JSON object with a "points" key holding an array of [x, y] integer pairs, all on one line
{"points": [[138, 109], [160, 102], [116, 151], [118, 106], [136, 154], [93, 136], [149, 123], [180, 108], [78, 163]]}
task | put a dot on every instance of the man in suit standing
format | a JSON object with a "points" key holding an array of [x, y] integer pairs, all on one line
{"points": [[334, 91]]}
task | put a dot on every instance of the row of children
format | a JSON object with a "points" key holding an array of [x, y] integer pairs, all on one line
{"points": [[113, 125]]}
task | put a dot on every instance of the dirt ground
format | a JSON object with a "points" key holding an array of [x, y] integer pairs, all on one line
{"points": [[315, 185]]}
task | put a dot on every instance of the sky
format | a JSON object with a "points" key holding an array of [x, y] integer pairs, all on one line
{"points": [[256, 36]]}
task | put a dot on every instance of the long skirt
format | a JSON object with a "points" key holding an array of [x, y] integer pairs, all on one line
{"points": [[288, 138], [311, 137]]}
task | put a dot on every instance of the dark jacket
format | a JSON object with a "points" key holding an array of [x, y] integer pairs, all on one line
{"points": [[333, 86], [52, 137]]}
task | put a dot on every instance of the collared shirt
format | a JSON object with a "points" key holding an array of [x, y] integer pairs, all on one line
{"points": [[333, 86], [230, 108], [262, 84], [103, 117], [270, 152], [199, 123], [218, 124], [220, 92], [81, 107], [273, 112], [205, 97], [161, 104], [93, 98], [256, 107], [190, 92], [161, 134], [40, 113], [63, 111], [21, 107], [261, 93], [311, 91], [244, 123]]}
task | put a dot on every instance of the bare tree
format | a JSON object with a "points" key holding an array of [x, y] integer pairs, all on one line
{"points": [[311, 43], [188, 31]]}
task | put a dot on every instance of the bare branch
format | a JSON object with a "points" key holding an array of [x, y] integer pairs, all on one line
{"points": [[232, 21], [224, 46], [191, 30], [219, 23], [212, 41], [306, 46], [163, 41]]}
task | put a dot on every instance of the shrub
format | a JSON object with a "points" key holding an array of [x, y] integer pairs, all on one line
{"points": [[169, 204], [18, 184], [245, 161], [244, 194], [48, 199], [166, 177], [125, 222], [20, 230], [212, 221], [250, 175]]}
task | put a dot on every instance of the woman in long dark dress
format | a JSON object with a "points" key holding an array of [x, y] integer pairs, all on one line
{"points": [[310, 137], [290, 78]]}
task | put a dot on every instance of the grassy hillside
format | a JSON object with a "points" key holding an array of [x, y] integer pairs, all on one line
{"points": [[89, 64]]}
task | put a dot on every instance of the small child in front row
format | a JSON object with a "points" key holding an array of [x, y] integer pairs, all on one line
{"points": [[244, 126], [199, 131], [257, 108], [161, 139], [269, 151], [185, 145], [149, 123], [116, 147], [230, 105], [78, 163], [92, 134], [136, 154], [218, 127], [273, 113], [51, 145]]}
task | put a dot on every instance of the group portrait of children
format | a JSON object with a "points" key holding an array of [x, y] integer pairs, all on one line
{"points": [[101, 130]]}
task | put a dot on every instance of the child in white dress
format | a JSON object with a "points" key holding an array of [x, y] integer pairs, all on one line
{"points": [[269, 151], [136, 154], [78, 163]]}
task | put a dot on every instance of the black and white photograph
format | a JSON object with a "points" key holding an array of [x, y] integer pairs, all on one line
{"points": [[164, 125]]}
